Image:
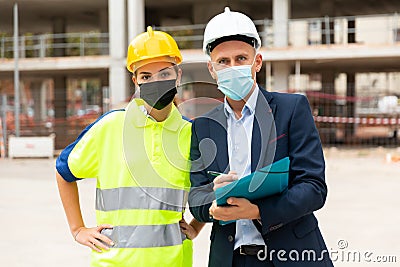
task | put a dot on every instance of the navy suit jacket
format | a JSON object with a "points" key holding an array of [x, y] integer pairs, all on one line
{"points": [[283, 127]]}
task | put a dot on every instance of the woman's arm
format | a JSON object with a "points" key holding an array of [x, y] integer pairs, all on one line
{"points": [[192, 229], [90, 237]]}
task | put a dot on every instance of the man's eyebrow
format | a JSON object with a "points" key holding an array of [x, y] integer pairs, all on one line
{"points": [[221, 58], [243, 55]]}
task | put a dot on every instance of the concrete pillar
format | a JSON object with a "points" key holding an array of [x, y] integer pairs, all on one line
{"points": [[280, 15], [118, 45], [136, 18], [59, 27], [281, 76], [351, 107], [60, 111]]}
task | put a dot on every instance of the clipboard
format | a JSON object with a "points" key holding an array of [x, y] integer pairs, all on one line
{"points": [[267, 181]]}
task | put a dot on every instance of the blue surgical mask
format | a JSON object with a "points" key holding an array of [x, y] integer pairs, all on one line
{"points": [[235, 82]]}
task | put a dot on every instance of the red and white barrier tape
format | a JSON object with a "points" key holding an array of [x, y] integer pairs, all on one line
{"points": [[369, 121]]}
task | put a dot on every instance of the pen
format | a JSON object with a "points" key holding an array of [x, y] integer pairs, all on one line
{"points": [[213, 173]]}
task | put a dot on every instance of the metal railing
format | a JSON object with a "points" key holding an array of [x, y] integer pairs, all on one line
{"points": [[191, 36], [50, 45], [371, 29]]}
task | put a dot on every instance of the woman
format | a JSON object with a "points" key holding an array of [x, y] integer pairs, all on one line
{"points": [[140, 158]]}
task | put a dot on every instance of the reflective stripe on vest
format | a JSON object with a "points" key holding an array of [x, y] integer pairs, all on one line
{"points": [[153, 198], [145, 236]]}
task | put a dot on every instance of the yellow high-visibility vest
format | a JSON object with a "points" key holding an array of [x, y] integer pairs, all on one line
{"points": [[142, 170]]}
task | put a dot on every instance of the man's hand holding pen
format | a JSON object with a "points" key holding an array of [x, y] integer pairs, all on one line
{"points": [[224, 179], [239, 208]]}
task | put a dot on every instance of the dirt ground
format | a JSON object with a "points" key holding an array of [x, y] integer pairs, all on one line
{"points": [[360, 221]]}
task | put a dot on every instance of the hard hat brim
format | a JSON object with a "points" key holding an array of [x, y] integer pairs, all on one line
{"points": [[136, 65], [246, 39]]}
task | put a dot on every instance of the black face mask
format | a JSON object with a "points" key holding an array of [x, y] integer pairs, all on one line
{"points": [[158, 94]]}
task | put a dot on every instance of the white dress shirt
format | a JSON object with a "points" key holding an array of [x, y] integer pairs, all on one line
{"points": [[239, 134]]}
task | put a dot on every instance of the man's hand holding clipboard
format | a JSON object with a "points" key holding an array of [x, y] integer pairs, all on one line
{"points": [[267, 181]]}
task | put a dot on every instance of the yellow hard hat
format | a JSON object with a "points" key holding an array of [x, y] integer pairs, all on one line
{"points": [[151, 45]]}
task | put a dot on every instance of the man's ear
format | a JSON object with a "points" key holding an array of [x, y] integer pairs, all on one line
{"points": [[211, 70], [258, 62], [179, 77]]}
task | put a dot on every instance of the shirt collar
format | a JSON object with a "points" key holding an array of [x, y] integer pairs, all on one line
{"points": [[135, 114], [250, 104]]}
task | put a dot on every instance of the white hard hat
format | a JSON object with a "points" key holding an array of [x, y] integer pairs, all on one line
{"points": [[230, 26]]}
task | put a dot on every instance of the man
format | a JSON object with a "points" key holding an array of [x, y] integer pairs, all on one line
{"points": [[252, 129], [140, 158]]}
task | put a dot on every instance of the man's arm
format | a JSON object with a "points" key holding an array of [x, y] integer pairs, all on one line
{"points": [[201, 193], [90, 237], [201, 197], [307, 188]]}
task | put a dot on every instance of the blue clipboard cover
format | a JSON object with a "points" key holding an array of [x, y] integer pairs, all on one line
{"points": [[267, 181]]}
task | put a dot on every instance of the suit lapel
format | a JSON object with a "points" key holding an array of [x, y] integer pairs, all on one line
{"points": [[262, 150]]}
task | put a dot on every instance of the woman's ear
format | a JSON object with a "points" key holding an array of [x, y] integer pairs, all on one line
{"points": [[134, 80], [135, 83]]}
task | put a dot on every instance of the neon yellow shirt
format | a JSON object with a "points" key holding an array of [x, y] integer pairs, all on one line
{"points": [[142, 171]]}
